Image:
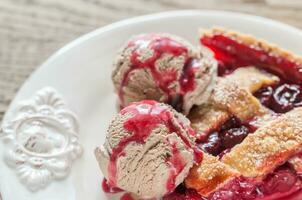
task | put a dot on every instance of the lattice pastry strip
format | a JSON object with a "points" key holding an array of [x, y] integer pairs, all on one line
{"points": [[209, 175], [206, 118], [268, 147], [236, 100], [251, 78]]}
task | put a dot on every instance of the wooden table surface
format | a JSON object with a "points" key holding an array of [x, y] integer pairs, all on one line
{"points": [[32, 30]]}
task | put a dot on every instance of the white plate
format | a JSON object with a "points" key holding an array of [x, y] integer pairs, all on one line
{"points": [[80, 72]]}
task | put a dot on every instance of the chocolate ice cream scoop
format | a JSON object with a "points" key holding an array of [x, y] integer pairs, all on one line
{"points": [[148, 149], [165, 68]]}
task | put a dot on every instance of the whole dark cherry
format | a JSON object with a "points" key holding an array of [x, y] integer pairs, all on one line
{"points": [[281, 180], [233, 136], [286, 97], [212, 145], [265, 95], [231, 133], [281, 98]]}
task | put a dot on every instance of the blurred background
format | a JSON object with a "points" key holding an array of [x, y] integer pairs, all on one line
{"points": [[32, 30]]}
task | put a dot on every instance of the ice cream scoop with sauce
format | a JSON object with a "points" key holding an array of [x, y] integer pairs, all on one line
{"points": [[164, 68], [148, 149]]}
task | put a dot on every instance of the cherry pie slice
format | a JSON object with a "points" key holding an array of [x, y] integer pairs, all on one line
{"points": [[251, 126]]}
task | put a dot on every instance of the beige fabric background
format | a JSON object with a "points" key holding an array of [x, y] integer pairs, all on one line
{"points": [[31, 30]]}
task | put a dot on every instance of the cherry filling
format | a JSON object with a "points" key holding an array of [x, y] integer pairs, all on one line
{"points": [[230, 134], [277, 185], [281, 98], [164, 79], [232, 54]]}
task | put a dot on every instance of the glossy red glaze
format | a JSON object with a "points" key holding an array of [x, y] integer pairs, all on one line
{"points": [[232, 54], [161, 45], [187, 79], [107, 188], [127, 196], [177, 165], [198, 154]]}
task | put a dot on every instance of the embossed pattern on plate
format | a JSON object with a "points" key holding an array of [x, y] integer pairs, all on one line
{"points": [[41, 140]]}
